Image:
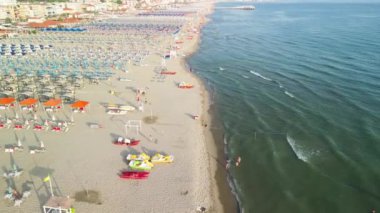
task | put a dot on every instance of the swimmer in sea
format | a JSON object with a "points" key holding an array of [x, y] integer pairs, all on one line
{"points": [[238, 160]]}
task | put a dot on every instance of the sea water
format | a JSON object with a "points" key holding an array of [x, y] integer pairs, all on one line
{"points": [[297, 88]]}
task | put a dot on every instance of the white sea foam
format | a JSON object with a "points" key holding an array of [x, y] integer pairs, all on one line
{"points": [[221, 68], [297, 149], [259, 75], [269, 79], [302, 153], [289, 94], [244, 76]]}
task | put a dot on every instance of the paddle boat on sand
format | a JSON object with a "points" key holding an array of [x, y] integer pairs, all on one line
{"points": [[158, 158], [168, 73], [139, 175], [126, 141], [141, 156], [140, 165], [184, 85]]}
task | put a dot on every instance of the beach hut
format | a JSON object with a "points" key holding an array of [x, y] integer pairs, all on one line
{"points": [[59, 205], [79, 106]]}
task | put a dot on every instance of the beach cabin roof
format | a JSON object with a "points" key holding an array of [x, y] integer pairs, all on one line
{"points": [[28, 102], [80, 104], [52, 102], [6, 101]]}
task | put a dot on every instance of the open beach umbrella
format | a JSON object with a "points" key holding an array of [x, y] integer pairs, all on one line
{"points": [[52, 102], [6, 101], [80, 104], [28, 102]]}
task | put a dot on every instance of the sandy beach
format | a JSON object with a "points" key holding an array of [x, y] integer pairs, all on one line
{"points": [[84, 158]]}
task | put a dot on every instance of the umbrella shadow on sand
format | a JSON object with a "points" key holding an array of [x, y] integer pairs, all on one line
{"points": [[41, 172], [42, 191]]}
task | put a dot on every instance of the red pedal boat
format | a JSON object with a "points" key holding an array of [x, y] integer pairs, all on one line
{"points": [[134, 175], [168, 73], [126, 142]]}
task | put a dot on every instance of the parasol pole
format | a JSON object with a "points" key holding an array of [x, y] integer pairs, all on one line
{"points": [[51, 187]]}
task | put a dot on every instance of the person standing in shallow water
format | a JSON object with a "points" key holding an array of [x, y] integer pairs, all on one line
{"points": [[238, 160]]}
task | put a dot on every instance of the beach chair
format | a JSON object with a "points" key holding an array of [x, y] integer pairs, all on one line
{"points": [[18, 202]]}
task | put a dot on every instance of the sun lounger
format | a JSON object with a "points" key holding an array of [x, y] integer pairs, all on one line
{"points": [[37, 150]]}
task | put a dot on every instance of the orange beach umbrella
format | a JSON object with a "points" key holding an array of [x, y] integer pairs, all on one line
{"points": [[80, 104], [6, 101], [52, 102], [28, 102]]}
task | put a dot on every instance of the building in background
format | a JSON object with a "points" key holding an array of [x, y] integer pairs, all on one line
{"points": [[8, 2]]}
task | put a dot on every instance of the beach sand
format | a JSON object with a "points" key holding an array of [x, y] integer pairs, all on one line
{"points": [[85, 159]]}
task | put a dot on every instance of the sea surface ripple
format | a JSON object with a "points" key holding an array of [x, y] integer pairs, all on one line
{"points": [[297, 87]]}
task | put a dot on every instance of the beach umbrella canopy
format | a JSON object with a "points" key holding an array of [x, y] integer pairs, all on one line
{"points": [[28, 102], [6, 101], [80, 104], [52, 102]]}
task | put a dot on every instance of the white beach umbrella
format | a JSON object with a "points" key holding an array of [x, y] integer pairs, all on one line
{"points": [[53, 117]]}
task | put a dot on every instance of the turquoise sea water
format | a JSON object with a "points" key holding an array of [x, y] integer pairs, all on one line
{"points": [[297, 88]]}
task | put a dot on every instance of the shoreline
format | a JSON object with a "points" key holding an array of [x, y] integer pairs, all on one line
{"points": [[222, 196]]}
